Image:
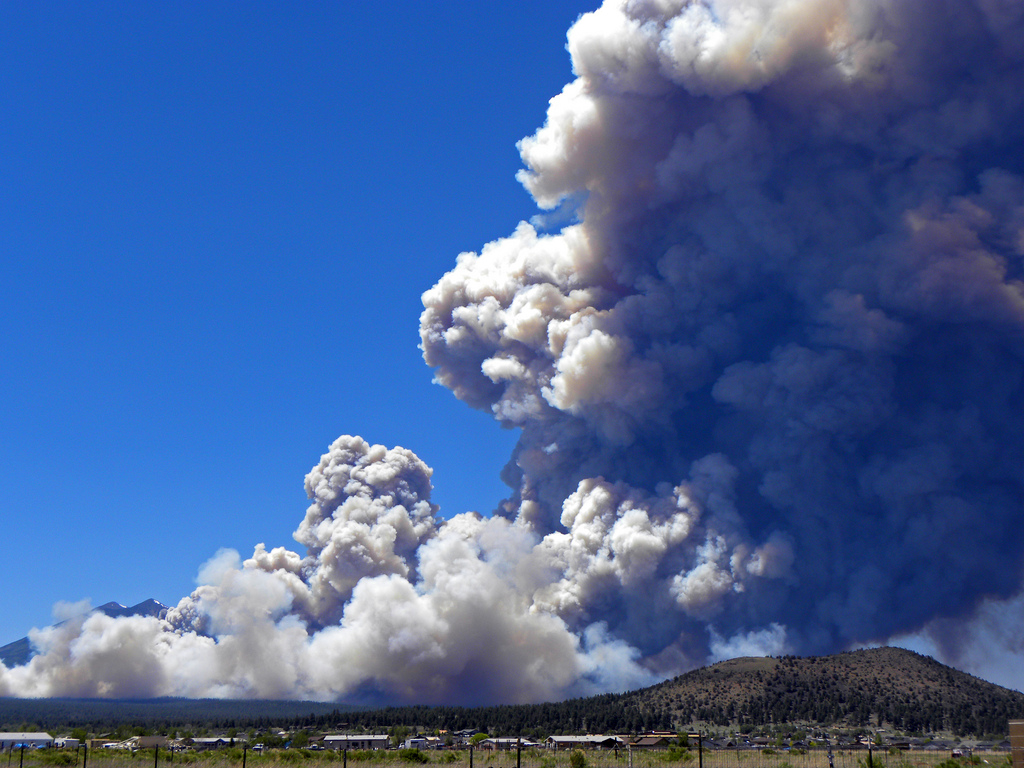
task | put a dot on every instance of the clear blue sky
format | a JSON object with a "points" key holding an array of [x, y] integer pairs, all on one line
{"points": [[215, 226]]}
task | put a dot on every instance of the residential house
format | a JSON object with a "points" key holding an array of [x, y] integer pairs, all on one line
{"points": [[590, 741], [649, 742], [357, 741]]}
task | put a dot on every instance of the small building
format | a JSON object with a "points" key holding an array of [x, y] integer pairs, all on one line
{"points": [[15, 740], [357, 741], [590, 741], [1017, 743], [500, 744], [146, 742], [649, 742], [205, 744]]}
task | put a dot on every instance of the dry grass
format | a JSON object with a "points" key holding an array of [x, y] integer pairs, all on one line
{"points": [[233, 758]]}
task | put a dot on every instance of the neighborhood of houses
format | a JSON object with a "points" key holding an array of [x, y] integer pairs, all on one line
{"points": [[468, 738]]}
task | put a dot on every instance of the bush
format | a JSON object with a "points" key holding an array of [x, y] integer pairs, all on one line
{"points": [[58, 758], [367, 754], [676, 754], [361, 755], [413, 756], [577, 759]]}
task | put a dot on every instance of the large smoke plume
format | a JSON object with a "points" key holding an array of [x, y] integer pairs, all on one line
{"points": [[769, 387]]}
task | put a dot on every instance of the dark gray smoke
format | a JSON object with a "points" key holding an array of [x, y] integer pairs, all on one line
{"points": [[797, 276], [769, 387]]}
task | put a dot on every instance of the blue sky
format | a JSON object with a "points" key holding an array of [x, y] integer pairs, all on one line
{"points": [[215, 227]]}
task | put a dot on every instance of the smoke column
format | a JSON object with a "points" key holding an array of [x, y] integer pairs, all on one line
{"points": [[768, 386]]}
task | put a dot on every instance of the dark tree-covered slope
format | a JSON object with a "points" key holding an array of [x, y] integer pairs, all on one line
{"points": [[891, 686], [900, 688]]}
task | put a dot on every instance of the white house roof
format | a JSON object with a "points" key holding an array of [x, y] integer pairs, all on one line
{"points": [[24, 736]]}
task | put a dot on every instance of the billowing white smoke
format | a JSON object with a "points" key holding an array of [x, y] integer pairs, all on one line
{"points": [[769, 387]]}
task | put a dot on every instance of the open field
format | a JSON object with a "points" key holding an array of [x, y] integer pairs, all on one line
{"points": [[529, 758]]}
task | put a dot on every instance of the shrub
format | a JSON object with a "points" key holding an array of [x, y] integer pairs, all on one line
{"points": [[676, 754], [58, 758], [577, 759], [413, 756], [366, 754]]}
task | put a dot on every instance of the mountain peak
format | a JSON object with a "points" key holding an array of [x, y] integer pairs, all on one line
{"points": [[20, 651]]}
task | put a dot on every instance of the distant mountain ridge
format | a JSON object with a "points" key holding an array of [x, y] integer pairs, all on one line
{"points": [[20, 651]]}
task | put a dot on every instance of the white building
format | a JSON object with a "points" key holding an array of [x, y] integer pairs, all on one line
{"points": [[15, 740], [357, 741], [591, 741]]}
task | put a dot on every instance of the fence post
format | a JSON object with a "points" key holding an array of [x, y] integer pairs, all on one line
{"points": [[245, 751], [85, 755], [470, 756], [156, 756], [519, 752], [700, 749]]}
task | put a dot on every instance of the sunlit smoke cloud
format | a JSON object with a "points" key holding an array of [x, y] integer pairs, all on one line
{"points": [[768, 387]]}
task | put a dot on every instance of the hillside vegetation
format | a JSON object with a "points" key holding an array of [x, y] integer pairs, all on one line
{"points": [[890, 687], [880, 686]]}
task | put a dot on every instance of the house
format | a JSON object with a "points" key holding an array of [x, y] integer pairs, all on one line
{"points": [[507, 744], [502, 744], [16, 740], [590, 741], [357, 741], [206, 744], [146, 742], [649, 742]]}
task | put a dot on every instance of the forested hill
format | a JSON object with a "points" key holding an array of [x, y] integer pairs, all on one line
{"points": [[899, 688], [904, 690]]}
